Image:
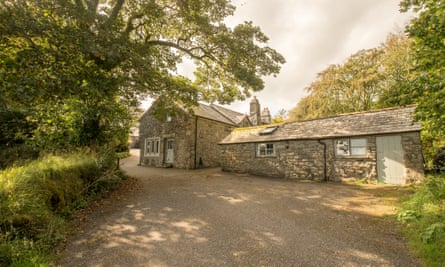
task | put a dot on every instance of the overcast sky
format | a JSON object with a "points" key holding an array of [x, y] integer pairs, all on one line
{"points": [[312, 34]]}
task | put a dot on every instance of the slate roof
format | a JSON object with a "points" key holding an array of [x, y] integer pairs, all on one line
{"points": [[218, 113], [383, 121]]}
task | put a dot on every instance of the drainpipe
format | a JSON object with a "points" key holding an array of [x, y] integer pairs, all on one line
{"points": [[196, 139], [325, 171]]}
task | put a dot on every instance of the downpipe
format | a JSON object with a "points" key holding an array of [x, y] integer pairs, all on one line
{"points": [[325, 169]]}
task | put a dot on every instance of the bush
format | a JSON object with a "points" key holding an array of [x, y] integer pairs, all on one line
{"points": [[36, 198], [16, 154], [439, 160], [423, 214]]}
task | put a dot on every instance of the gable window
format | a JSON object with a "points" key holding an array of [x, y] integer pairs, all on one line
{"points": [[151, 148], [351, 147], [265, 150]]}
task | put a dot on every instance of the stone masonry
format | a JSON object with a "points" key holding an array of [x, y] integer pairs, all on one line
{"points": [[304, 159]]}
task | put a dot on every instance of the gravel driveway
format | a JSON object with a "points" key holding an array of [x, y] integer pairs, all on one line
{"points": [[211, 218]]}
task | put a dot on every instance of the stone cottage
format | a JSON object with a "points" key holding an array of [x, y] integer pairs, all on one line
{"points": [[187, 140], [379, 145]]}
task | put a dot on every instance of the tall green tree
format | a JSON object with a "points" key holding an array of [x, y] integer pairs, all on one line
{"points": [[428, 33], [73, 65], [397, 71], [352, 86]]}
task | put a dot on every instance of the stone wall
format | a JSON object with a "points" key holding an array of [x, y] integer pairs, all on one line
{"points": [[304, 159], [180, 128], [413, 156], [210, 133]]}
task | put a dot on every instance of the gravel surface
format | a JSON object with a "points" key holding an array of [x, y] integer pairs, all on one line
{"points": [[172, 217]]}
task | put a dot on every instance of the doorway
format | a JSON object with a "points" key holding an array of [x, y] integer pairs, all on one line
{"points": [[390, 165], [169, 151]]}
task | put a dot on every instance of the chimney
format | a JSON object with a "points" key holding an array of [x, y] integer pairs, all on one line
{"points": [[255, 115], [265, 116]]}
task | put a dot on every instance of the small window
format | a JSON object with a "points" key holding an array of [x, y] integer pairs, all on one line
{"points": [[351, 147], [265, 150], [152, 147]]}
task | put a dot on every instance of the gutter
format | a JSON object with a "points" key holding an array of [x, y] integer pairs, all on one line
{"points": [[196, 139], [325, 170]]}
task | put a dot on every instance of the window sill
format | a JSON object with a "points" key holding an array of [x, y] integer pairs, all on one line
{"points": [[266, 156]]}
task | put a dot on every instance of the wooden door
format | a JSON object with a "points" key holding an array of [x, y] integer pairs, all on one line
{"points": [[390, 164]]}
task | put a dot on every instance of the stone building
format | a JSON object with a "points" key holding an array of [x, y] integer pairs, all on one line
{"points": [[256, 116], [379, 145], [187, 140]]}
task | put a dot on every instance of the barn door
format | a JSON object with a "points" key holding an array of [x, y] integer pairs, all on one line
{"points": [[169, 153], [390, 165]]}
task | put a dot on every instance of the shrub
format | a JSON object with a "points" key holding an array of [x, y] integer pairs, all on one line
{"points": [[36, 198], [423, 214], [439, 160]]}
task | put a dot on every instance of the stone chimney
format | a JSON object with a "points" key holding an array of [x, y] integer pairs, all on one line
{"points": [[265, 116], [255, 108]]}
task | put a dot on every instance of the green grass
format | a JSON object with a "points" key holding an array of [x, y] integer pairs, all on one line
{"points": [[423, 215], [37, 198]]}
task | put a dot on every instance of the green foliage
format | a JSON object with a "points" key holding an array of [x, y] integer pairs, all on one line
{"points": [[428, 33], [372, 78], [423, 215], [36, 198], [77, 67], [439, 159]]}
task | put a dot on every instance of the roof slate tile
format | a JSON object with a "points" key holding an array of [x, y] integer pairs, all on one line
{"points": [[383, 121]]}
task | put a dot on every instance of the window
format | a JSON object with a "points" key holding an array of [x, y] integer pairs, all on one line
{"points": [[152, 147], [351, 147], [265, 150]]}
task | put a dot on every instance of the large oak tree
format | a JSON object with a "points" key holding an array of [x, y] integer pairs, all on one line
{"points": [[79, 64]]}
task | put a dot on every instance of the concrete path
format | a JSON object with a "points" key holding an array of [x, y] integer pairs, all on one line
{"points": [[210, 218]]}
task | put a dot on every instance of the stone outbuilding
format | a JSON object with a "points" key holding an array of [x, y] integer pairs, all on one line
{"points": [[187, 140], [381, 145]]}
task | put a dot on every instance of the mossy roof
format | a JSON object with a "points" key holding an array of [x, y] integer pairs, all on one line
{"points": [[382, 121]]}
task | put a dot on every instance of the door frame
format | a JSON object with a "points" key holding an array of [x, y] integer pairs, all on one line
{"points": [[169, 148]]}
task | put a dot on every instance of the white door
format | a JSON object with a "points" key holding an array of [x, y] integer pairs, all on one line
{"points": [[169, 151], [390, 165]]}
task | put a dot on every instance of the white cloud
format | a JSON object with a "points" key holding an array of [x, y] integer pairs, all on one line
{"points": [[312, 35]]}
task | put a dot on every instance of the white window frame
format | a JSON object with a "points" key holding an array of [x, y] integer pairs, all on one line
{"points": [[265, 150], [152, 147], [351, 147]]}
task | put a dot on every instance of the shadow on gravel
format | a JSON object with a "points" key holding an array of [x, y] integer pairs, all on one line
{"points": [[210, 218]]}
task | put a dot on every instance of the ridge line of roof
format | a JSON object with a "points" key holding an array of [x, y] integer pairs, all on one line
{"points": [[355, 113]]}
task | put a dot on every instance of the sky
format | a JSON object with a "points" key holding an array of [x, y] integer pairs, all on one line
{"points": [[311, 35]]}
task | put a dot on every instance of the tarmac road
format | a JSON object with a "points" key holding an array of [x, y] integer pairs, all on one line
{"points": [[211, 218]]}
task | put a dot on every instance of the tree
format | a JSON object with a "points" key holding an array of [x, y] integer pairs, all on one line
{"points": [[428, 33], [73, 65], [281, 116], [352, 86], [397, 64]]}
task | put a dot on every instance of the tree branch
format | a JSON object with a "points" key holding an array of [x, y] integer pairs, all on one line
{"points": [[130, 26], [92, 5], [188, 51], [116, 9]]}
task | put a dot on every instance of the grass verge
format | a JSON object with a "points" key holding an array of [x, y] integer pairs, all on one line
{"points": [[37, 198], [423, 215]]}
